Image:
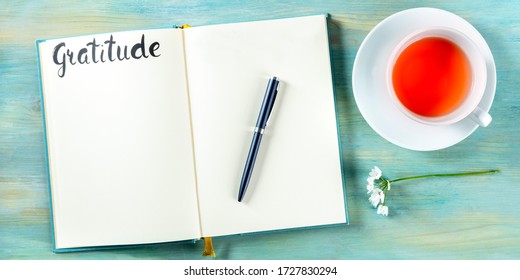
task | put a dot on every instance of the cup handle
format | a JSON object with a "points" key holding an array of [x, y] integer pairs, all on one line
{"points": [[481, 117]]}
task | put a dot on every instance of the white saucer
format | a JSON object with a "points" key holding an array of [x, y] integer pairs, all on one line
{"points": [[368, 81]]}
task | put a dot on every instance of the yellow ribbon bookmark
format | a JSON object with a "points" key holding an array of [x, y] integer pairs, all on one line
{"points": [[208, 248]]}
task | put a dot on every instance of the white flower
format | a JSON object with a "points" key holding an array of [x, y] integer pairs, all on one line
{"points": [[379, 186], [375, 173], [382, 210], [370, 187], [375, 198]]}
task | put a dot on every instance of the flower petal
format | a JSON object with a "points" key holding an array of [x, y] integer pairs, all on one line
{"points": [[375, 198], [382, 210], [370, 188], [375, 173]]}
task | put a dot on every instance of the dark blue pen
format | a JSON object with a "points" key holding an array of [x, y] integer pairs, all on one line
{"points": [[263, 117]]}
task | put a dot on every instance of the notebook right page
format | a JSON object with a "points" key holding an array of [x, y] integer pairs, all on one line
{"points": [[297, 178]]}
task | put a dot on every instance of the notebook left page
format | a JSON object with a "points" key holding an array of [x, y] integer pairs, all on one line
{"points": [[119, 142]]}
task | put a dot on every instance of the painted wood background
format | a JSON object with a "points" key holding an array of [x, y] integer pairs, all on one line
{"points": [[445, 218]]}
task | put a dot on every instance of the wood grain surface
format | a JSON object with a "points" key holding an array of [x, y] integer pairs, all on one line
{"points": [[440, 218]]}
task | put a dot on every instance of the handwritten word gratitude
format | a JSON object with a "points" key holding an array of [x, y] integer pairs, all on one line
{"points": [[108, 51]]}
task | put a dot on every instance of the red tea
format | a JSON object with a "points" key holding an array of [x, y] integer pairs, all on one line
{"points": [[431, 77]]}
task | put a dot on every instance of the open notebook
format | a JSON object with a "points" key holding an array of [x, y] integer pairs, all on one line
{"points": [[147, 132]]}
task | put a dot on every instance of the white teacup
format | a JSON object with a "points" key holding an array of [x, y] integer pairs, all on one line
{"points": [[469, 106]]}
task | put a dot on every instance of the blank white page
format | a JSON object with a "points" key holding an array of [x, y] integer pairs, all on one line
{"points": [[297, 180], [119, 142]]}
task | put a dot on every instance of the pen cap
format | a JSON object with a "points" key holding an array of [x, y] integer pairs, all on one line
{"points": [[268, 103]]}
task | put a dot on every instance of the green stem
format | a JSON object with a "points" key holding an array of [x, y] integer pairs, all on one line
{"points": [[445, 175]]}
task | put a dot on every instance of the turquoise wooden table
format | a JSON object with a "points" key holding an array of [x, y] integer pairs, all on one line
{"points": [[439, 218]]}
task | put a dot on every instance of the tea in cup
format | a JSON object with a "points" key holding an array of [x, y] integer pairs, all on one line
{"points": [[438, 76]]}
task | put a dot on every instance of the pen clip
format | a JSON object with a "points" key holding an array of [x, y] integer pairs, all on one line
{"points": [[275, 93]]}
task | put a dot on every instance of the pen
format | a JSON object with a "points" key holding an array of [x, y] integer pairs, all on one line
{"points": [[263, 117]]}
